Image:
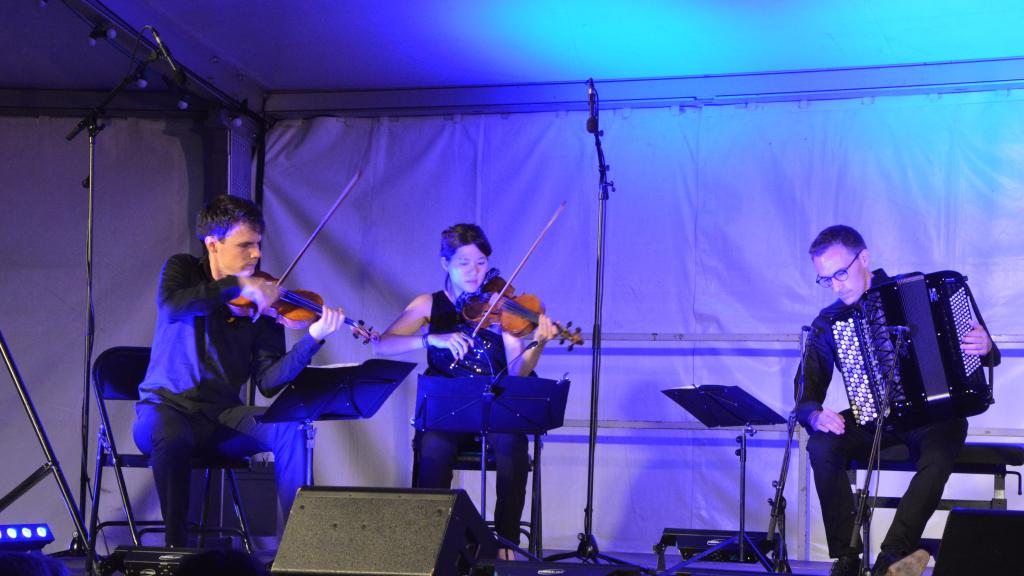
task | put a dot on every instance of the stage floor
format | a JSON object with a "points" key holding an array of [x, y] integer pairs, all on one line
{"points": [[647, 561]]}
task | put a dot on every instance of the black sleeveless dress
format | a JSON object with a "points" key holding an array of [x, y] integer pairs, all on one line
{"points": [[437, 450], [487, 357]]}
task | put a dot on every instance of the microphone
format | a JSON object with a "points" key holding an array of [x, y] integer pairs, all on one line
{"points": [[592, 107], [179, 74]]}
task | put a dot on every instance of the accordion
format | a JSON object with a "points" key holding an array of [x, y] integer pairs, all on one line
{"points": [[928, 378]]}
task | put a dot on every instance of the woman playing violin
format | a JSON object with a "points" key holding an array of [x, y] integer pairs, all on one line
{"points": [[202, 355], [432, 321]]}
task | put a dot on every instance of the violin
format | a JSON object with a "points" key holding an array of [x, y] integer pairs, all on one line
{"points": [[495, 303], [296, 309]]}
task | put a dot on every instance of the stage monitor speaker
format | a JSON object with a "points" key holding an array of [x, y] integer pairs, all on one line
{"points": [[145, 561], [694, 541], [383, 532], [978, 541]]}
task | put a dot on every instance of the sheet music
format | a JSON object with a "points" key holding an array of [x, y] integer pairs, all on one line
{"points": [[338, 365]]}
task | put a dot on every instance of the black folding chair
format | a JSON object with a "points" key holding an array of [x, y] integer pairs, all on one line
{"points": [[116, 375]]}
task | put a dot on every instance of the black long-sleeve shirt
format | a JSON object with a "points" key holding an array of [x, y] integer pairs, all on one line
{"points": [[202, 355], [820, 355]]}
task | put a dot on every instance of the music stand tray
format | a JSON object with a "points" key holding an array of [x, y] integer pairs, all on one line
{"points": [[518, 404], [717, 406], [335, 393], [512, 405]]}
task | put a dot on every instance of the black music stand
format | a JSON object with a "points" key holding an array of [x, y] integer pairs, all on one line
{"points": [[716, 406], [335, 393], [513, 405]]}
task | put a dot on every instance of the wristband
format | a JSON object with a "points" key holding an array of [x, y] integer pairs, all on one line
{"points": [[426, 343]]}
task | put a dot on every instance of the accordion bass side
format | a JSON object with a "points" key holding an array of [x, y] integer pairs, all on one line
{"points": [[932, 379]]}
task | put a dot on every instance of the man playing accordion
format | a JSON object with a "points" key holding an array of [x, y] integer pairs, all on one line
{"points": [[841, 258]]}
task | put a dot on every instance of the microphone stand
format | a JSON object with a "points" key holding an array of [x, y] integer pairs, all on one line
{"points": [[862, 521], [587, 551], [779, 552], [91, 122]]}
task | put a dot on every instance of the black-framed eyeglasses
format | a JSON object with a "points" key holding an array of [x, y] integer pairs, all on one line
{"points": [[842, 274]]}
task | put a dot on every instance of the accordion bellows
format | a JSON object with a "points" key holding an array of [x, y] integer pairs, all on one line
{"points": [[928, 378]]}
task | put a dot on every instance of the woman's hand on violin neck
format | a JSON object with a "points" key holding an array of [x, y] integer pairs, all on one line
{"points": [[457, 342], [262, 293], [332, 320], [546, 330]]}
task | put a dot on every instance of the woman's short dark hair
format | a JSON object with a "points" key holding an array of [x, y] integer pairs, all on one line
{"points": [[838, 234], [455, 237], [225, 212]]}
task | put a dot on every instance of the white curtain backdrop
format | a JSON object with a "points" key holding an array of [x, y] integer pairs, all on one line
{"points": [[148, 187], [707, 234]]}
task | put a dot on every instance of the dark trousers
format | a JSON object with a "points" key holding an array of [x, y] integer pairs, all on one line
{"points": [[933, 448], [171, 438], [437, 452]]}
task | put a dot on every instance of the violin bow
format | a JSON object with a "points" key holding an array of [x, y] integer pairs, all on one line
{"points": [[508, 283], [344, 193]]}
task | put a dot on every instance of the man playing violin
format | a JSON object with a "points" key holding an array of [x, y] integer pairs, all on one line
{"points": [[202, 355], [433, 322]]}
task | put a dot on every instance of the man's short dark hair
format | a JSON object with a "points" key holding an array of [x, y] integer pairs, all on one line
{"points": [[838, 234], [225, 212]]}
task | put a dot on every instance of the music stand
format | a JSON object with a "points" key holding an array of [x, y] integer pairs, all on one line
{"points": [[335, 393], [716, 406], [515, 405]]}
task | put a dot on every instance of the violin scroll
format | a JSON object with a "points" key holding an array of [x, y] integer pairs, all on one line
{"points": [[360, 331], [567, 333]]}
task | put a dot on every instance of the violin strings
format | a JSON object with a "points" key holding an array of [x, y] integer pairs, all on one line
{"points": [[518, 309], [299, 300]]}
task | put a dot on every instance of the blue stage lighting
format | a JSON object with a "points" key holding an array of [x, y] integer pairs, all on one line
{"points": [[24, 537]]}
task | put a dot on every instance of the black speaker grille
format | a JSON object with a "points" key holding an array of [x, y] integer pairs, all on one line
{"points": [[373, 531]]}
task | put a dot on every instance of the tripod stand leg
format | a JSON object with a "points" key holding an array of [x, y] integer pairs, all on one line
{"points": [[761, 558], [587, 552], [81, 537], [586, 549]]}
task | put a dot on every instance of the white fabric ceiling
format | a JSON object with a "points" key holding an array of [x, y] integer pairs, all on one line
{"points": [[249, 48]]}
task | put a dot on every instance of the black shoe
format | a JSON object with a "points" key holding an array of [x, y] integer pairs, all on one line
{"points": [[882, 563], [845, 566]]}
